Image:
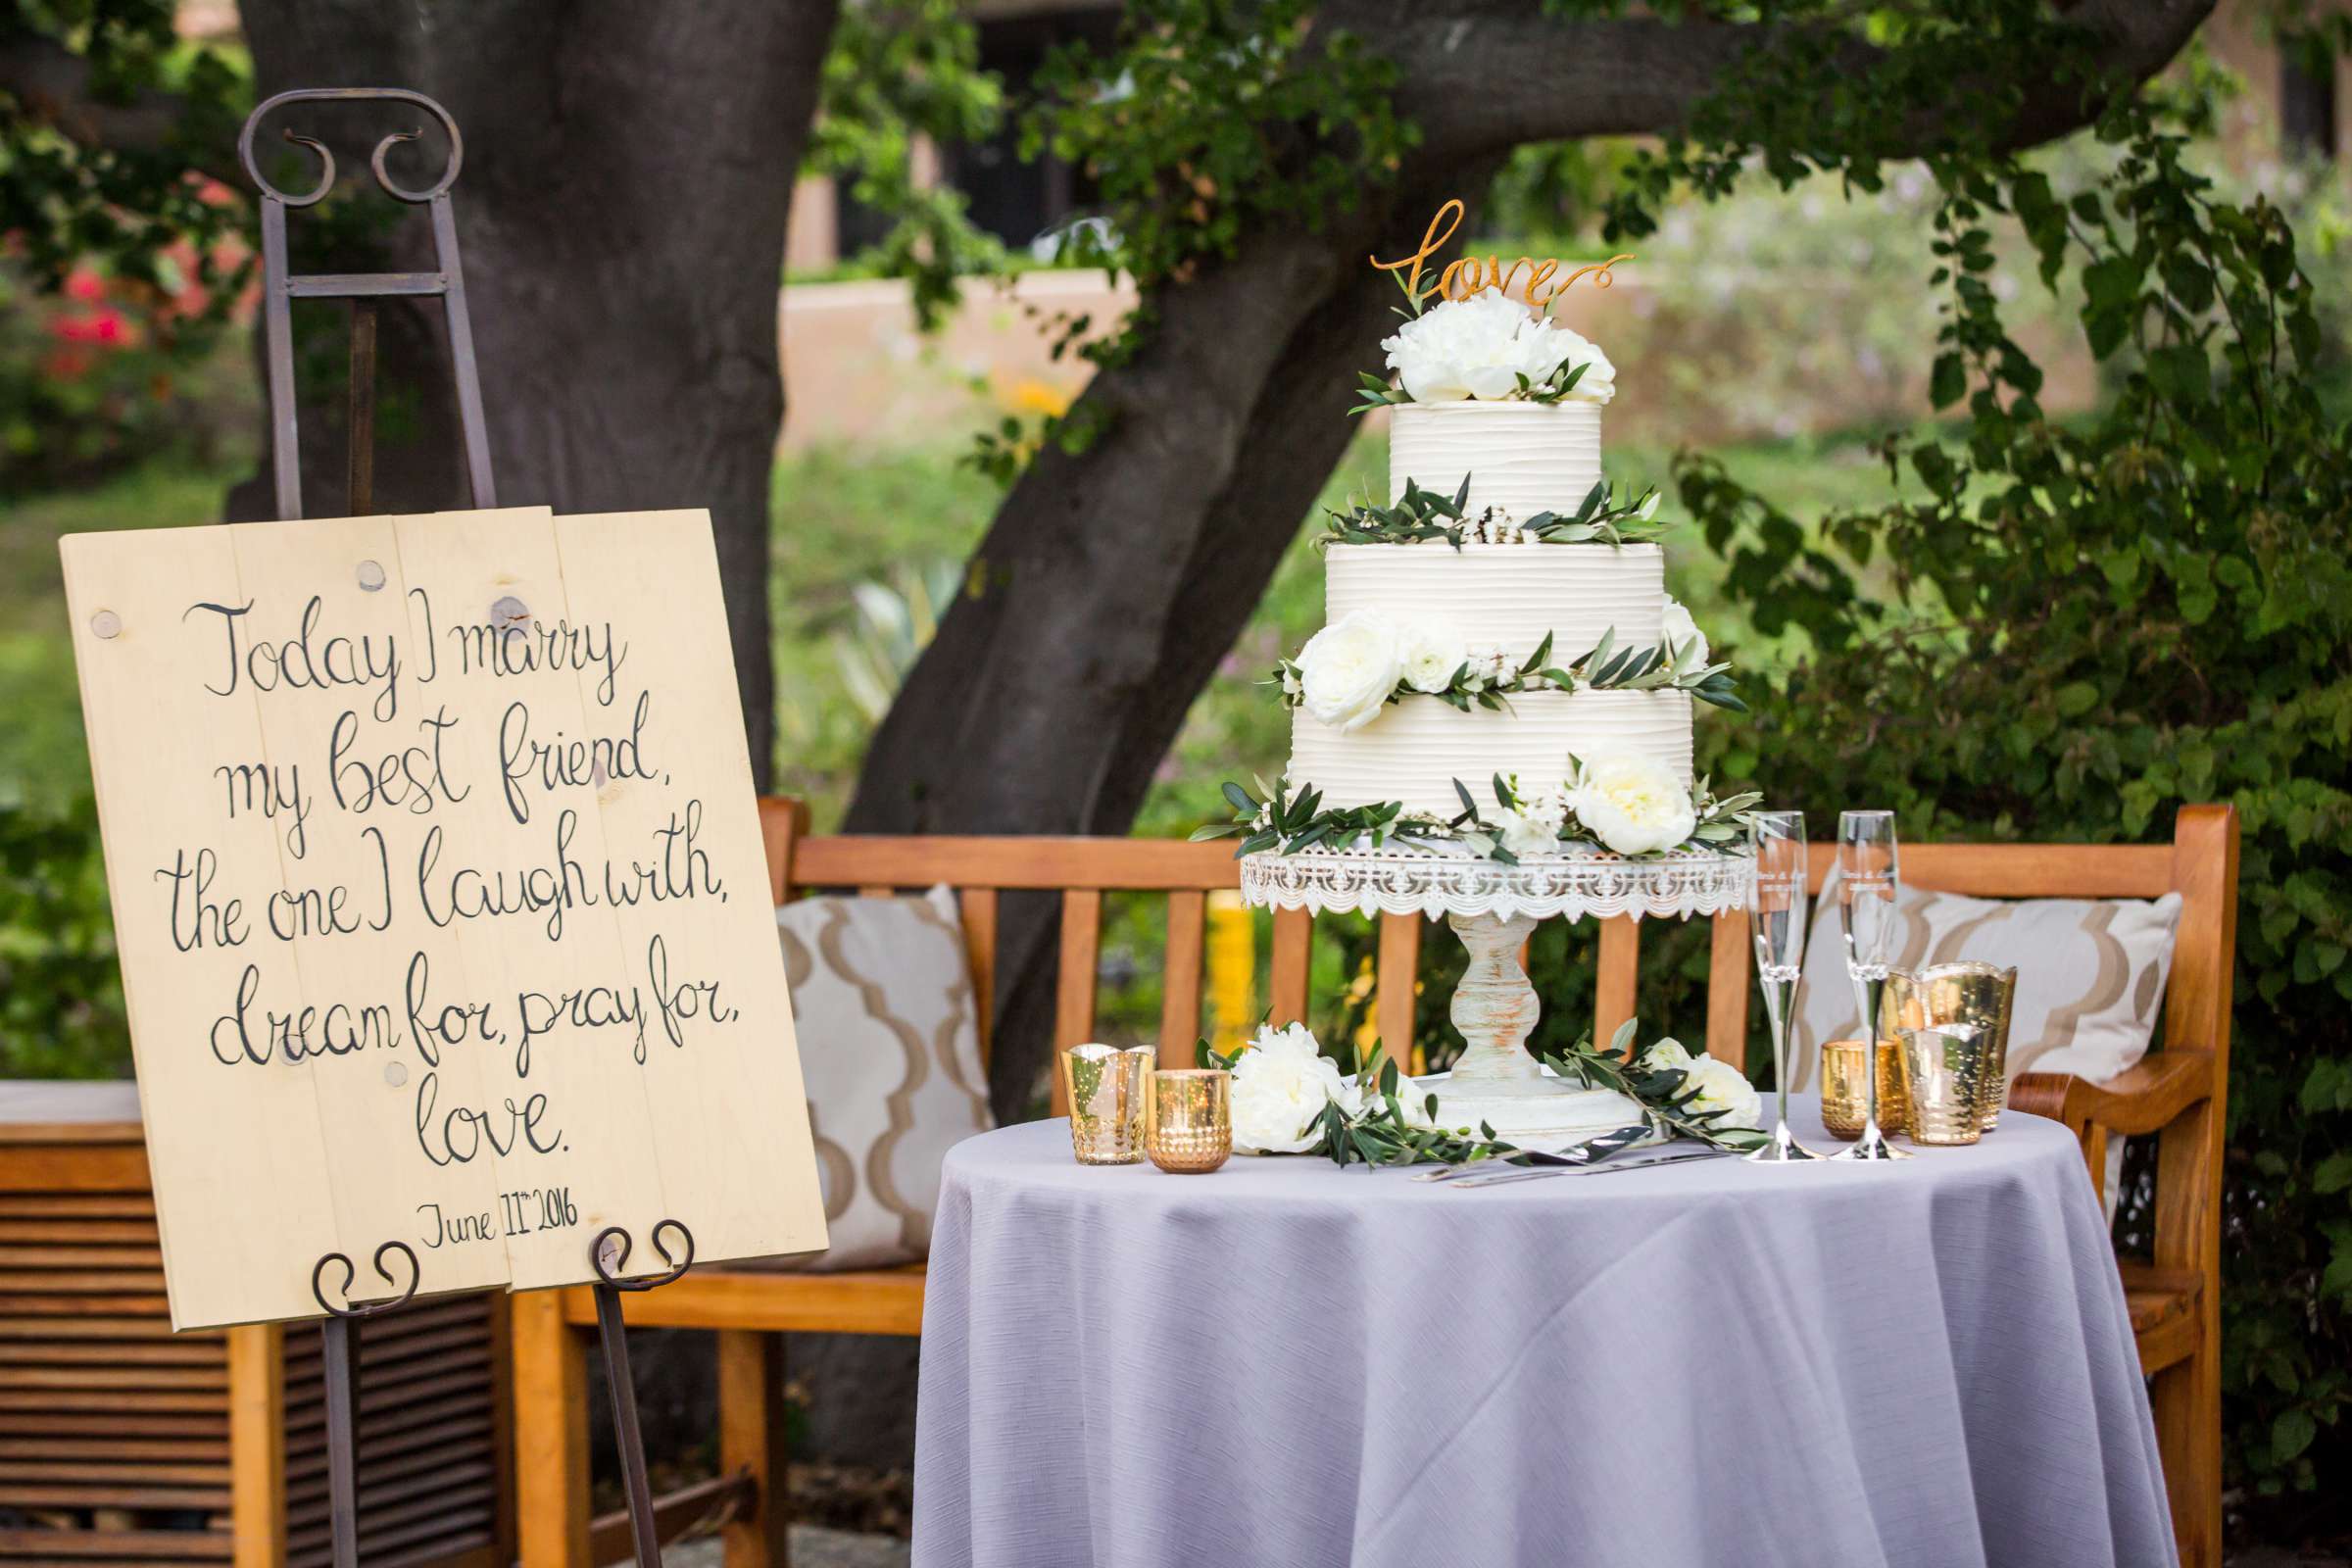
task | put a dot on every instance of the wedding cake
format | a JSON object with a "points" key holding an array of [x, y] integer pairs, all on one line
{"points": [[1499, 656]]}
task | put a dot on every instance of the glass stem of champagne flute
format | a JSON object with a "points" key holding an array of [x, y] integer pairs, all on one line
{"points": [[1780, 989], [1870, 991]]}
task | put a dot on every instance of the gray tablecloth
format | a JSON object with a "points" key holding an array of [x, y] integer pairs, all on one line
{"points": [[1282, 1363]]}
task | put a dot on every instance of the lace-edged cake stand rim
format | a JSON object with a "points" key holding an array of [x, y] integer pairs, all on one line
{"points": [[1589, 886]]}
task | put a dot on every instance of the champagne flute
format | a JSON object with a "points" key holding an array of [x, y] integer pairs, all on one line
{"points": [[1866, 877], [1776, 916]]}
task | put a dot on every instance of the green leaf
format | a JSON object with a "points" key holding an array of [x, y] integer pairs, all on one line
{"points": [[1947, 381], [2291, 1433]]}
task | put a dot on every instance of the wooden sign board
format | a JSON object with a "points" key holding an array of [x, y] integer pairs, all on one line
{"points": [[439, 890]]}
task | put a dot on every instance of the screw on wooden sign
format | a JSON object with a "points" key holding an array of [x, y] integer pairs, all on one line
{"points": [[371, 576], [106, 623]]}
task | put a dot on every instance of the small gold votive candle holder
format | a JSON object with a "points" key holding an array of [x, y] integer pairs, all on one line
{"points": [[1967, 992], [1845, 1093], [1188, 1119], [1945, 1071], [1107, 1088]]}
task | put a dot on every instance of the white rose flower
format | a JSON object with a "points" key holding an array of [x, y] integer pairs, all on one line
{"points": [[1428, 653], [1348, 670], [1682, 631], [1279, 1087], [1634, 804], [1665, 1054], [1722, 1088], [1481, 346]]}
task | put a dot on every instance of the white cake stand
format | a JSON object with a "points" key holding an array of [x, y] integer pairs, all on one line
{"points": [[1492, 908]]}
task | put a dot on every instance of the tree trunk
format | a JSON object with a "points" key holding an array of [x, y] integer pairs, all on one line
{"points": [[621, 210]]}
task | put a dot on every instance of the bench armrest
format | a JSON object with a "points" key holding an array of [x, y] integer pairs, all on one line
{"points": [[2145, 1098]]}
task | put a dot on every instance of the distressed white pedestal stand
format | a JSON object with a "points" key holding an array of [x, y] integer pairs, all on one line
{"points": [[1493, 908]]}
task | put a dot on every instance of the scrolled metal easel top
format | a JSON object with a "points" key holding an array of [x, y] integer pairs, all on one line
{"points": [[609, 1255], [327, 158], [351, 1273]]}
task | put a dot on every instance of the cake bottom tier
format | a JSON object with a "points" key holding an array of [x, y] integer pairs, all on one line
{"points": [[1417, 749]]}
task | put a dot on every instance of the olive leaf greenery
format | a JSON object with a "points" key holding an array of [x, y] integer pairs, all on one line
{"points": [[1419, 516], [1605, 667], [1274, 818], [1384, 1133]]}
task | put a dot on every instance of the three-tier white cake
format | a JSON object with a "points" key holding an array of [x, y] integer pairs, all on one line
{"points": [[1503, 572]]}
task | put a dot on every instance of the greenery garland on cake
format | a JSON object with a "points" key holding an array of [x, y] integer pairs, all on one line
{"points": [[1486, 676], [1290, 1099], [1623, 802], [1418, 517]]}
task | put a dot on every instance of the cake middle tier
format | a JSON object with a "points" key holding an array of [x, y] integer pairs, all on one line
{"points": [[1510, 594], [1417, 749]]}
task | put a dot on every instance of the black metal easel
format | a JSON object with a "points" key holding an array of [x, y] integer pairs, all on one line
{"points": [[609, 1254]]}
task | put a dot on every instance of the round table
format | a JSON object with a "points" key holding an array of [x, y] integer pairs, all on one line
{"points": [[1711, 1363]]}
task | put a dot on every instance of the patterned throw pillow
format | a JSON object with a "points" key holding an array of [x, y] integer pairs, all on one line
{"points": [[2090, 974], [890, 1052]]}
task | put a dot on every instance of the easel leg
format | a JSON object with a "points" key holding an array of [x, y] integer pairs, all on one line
{"points": [[361, 433], [751, 1442], [341, 1344], [615, 1337]]}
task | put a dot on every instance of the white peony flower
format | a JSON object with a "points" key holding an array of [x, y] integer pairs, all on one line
{"points": [[1721, 1087], [1634, 804], [1598, 383], [1682, 631], [1481, 346], [1279, 1087], [1665, 1054], [1428, 653], [1348, 670]]}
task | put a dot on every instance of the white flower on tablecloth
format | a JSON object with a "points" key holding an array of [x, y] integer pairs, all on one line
{"points": [[1428, 653], [1280, 1084], [1634, 804], [1682, 631], [1348, 670], [1481, 346], [1664, 1056], [1721, 1088]]}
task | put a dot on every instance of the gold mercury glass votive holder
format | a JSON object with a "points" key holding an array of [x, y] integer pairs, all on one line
{"points": [[1188, 1119], [1945, 1071], [1980, 995], [1107, 1087], [1844, 1093]]}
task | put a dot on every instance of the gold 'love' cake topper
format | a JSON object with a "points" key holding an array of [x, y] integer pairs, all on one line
{"points": [[1469, 274]]}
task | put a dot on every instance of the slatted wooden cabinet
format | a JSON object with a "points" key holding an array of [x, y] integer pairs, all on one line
{"points": [[123, 1443]]}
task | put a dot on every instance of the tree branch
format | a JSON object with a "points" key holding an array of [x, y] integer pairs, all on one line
{"points": [[1479, 77]]}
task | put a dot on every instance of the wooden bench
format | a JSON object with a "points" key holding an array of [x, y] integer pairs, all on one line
{"points": [[2178, 1092]]}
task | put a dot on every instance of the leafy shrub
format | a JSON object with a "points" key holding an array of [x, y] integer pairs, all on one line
{"points": [[60, 997], [2097, 620]]}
